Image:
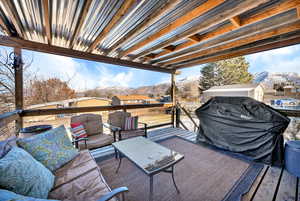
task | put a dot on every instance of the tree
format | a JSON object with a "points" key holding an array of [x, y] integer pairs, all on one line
{"points": [[230, 71], [53, 89], [168, 91]]}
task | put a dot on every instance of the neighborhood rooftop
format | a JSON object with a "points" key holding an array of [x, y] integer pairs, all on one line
{"points": [[159, 35], [232, 87]]}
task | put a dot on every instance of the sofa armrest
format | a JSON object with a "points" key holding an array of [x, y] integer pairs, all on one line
{"points": [[113, 193]]}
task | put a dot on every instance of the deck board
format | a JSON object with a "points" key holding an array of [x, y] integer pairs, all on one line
{"points": [[268, 187], [287, 187], [249, 196]]}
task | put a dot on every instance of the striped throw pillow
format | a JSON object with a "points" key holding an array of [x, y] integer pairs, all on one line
{"points": [[78, 130], [131, 123]]}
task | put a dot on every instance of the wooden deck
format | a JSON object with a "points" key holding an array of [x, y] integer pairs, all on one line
{"points": [[272, 184]]}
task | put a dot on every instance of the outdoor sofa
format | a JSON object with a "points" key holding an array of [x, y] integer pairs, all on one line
{"points": [[76, 180]]}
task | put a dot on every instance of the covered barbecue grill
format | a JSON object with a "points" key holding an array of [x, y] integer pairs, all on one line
{"points": [[243, 125]]}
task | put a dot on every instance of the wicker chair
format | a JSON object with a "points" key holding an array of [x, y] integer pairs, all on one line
{"points": [[117, 119], [94, 129]]}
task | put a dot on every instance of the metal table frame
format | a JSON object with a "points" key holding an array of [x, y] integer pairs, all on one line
{"points": [[169, 168]]}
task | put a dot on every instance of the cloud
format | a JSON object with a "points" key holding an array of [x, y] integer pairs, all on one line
{"points": [[82, 75], [285, 59], [109, 78]]}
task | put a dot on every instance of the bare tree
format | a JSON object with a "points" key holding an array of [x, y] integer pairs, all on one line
{"points": [[7, 85]]}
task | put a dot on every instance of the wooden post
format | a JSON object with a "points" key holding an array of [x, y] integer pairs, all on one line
{"points": [[18, 70], [173, 98]]}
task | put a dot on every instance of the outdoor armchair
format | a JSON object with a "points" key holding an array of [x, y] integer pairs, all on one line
{"points": [[116, 122], [93, 126]]}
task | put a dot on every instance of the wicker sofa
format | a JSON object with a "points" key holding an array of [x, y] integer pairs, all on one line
{"points": [[81, 179]]}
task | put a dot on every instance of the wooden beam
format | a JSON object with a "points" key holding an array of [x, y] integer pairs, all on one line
{"points": [[4, 27], [169, 48], [241, 52], [69, 110], [9, 8], [47, 26], [40, 47], [236, 21], [232, 11], [280, 8], [154, 17], [81, 18], [285, 18], [200, 10], [238, 42], [195, 38], [298, 11], [120, 13], [18, 71]]}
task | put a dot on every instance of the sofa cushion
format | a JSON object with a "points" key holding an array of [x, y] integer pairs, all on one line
{"points": [[22, 174], [78, 180], [6, 195], [52, 148], [92, 123], [96, 141]]}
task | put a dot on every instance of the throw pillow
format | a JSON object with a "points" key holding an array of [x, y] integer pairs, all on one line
{"points": [[11, 196], [22, 174], [131, 123], [52, 148], [78, 131]]}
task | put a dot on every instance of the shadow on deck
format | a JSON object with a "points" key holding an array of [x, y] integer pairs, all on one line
{"points": [[272, 183]]}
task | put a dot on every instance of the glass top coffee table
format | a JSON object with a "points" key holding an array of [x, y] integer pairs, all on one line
{"points": [[149, 156]]}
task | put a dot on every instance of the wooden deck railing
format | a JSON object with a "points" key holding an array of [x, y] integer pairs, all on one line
{"points": [[9, 117], [16, 115]]}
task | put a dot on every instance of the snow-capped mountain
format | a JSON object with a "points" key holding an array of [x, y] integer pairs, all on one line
{"points": [[269, 79]]}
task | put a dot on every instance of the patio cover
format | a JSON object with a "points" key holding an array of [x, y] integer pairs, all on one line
{"points": [[243, 125], [158, 35]]}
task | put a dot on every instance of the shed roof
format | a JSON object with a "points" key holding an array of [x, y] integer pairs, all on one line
{"points": [[233, 87], [133, 97], [159, 35]]}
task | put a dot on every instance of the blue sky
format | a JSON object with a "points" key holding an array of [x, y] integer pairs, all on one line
{"points": [[87, 74]]}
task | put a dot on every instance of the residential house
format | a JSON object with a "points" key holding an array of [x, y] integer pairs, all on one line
{"points": [[74, 102], [132, 99]]}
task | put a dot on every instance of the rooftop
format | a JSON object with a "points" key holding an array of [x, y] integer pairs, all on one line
{"points": [[233, 87]]}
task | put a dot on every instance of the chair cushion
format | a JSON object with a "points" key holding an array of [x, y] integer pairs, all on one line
{"points": [[22, 174], [78, 130], [6, 195], [92, 123], [52, 148], [131, 123], [118, 118], [96, 141], [78, 180]]}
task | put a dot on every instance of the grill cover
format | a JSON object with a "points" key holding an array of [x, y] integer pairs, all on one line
{"points": [[243, 125]]}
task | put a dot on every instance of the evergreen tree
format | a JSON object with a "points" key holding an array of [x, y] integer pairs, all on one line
{"points": [[230, 71]]}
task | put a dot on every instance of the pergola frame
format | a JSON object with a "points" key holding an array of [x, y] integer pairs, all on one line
{"points": [[171, 36]]}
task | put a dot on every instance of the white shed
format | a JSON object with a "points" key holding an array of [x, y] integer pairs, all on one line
{"points": [[255, 91]]}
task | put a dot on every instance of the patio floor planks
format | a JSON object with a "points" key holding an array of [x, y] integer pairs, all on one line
{"points": [[272, 184]]}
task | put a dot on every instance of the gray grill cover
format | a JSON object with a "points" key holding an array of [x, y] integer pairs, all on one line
{"points": [[243, 125]]}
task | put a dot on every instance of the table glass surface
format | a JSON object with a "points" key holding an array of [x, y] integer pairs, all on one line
{"points": [[148, 155]]}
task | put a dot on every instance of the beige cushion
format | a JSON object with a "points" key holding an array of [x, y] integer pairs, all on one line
{"points": [[96, 141], [118, 118], [78, 180], [92, 123]]}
